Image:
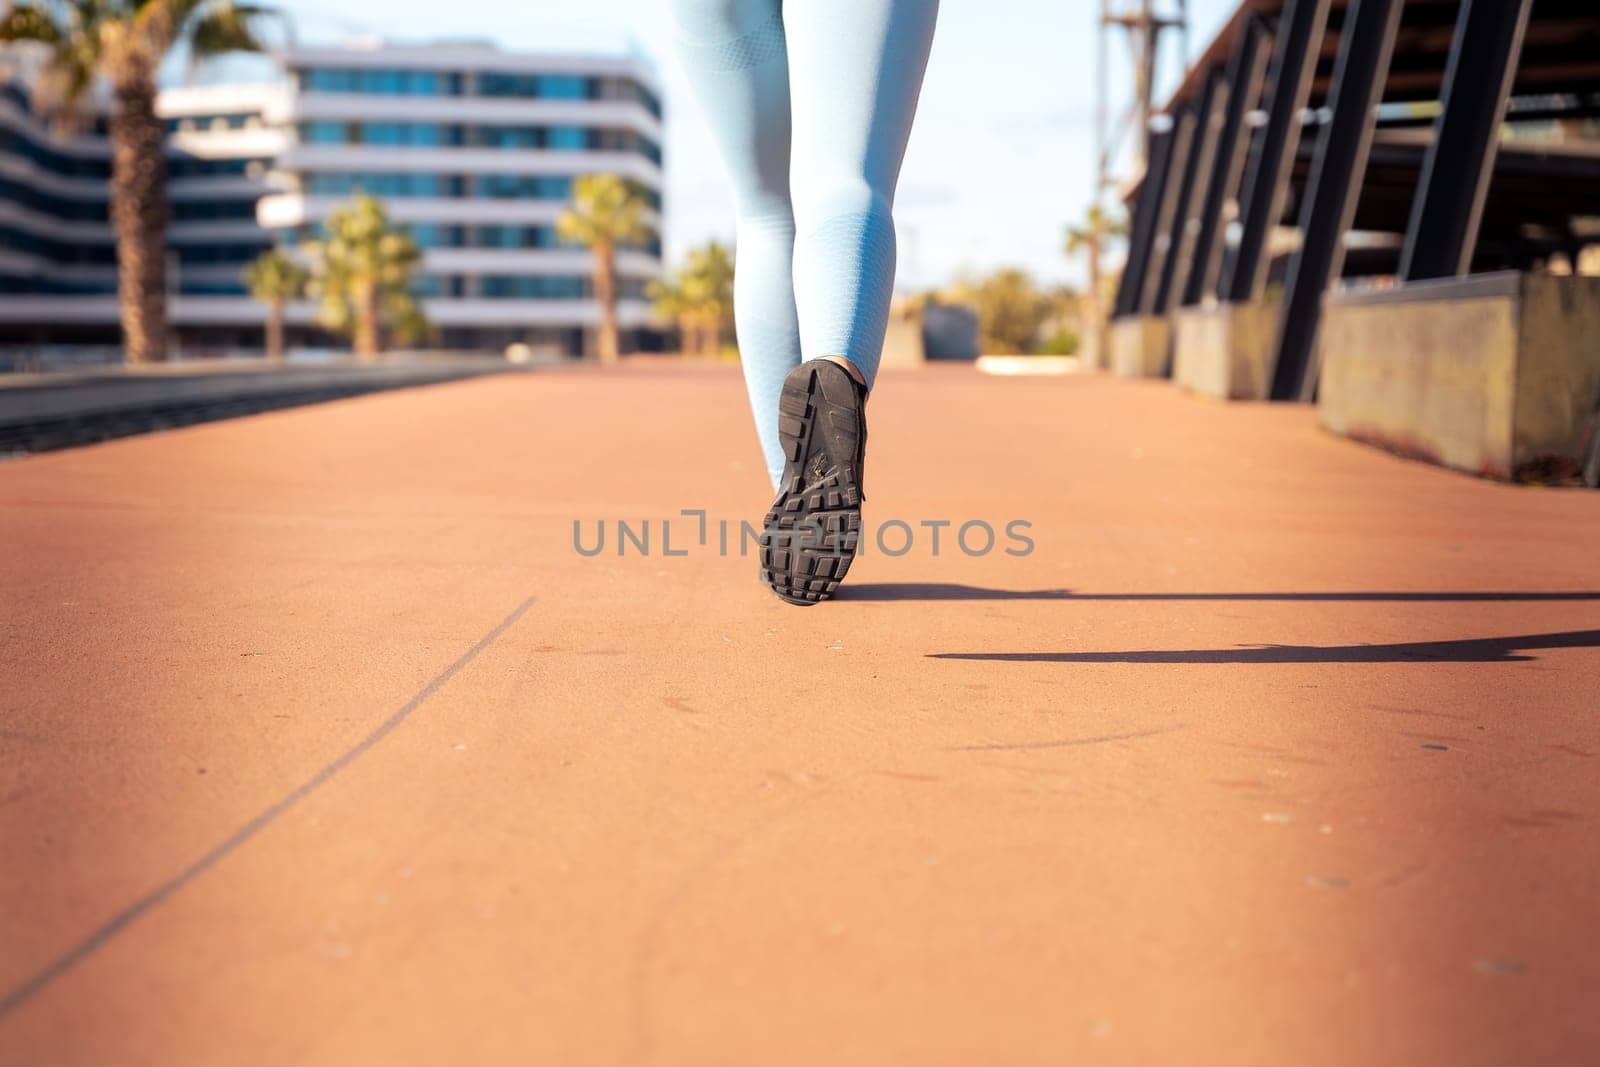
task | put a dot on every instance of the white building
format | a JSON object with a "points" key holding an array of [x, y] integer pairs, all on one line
{"points": [[473, 149]]}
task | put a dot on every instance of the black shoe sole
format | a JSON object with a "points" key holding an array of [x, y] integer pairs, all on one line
{"points": [[809, 537]]}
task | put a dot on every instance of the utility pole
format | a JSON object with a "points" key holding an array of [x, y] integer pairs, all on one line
{"points": [[1142, 24]]}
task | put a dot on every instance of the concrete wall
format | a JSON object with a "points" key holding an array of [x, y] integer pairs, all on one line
{"points": [[902, 341], [1497, 374], [1558, 371], [1222, 350], [921, 332], [1139, 346]]}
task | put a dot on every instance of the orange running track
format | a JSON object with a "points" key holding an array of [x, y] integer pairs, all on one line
{"points": [[320, 743]]}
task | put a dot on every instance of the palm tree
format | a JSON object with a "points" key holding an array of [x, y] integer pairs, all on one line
{"points": [[362, 276], [124, 42], [607, 212], [1091, 237], [669, 301], [274, 278], [707, 282]]}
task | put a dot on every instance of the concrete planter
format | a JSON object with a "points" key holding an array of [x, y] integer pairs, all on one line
{"points": [[902, 341], [1092, 356], [1497, 374], [1140, 346], [1222, 350]]}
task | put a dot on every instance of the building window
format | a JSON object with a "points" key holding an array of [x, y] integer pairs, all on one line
{"points": [[381, 82], [628, 89], [560, 137], [535, 86], [493, 83], [564, 87], [508, 136], [382, 184], [532, 287], [524, 186], [184, 166], [219, 253], [420, 134], [437, 285], [569, 137], [549, 287], [389, 134], [434, 235], [212, 288], [40, 152], [324, 133], [515, 237], [213, 210]]}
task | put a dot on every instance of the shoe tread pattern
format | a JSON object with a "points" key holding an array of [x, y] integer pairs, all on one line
{"points": [[820, 427]]}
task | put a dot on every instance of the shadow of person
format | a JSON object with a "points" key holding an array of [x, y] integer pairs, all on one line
{"points": [[911, 591], [1468, 650], [893, 591]]}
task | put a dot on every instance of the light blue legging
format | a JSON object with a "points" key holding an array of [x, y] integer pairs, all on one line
{"points": [[811, 102]]}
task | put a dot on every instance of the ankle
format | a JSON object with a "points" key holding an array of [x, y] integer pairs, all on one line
{"points": [[850, 369]]}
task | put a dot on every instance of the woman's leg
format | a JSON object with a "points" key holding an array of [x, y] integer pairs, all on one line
{"points": [[734, 52], [855, 72], [855, 69]]}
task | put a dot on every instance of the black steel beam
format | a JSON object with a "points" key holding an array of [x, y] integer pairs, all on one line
{"points": [[1247, 67], [1180, 169], [1332, 189], [1210, 111], [1141, 233], [1448, 209], [1294, 62]]}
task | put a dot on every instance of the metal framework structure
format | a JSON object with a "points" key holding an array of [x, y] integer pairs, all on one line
{"points": [[1207, 116], [1143, 23], [1336, 177], [1130, 292], [1294, 59], [1455, 177], [1245, 74], [1401, 103]]}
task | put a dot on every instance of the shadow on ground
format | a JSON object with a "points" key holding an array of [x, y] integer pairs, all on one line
{"points": [[906, 591], [1471, 650]]}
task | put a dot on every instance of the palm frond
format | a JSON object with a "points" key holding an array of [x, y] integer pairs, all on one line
{"points": [[363, 250], [63, 93], [605, 210], [275, 275], [226, 27], [70, 33], [28, 22]]}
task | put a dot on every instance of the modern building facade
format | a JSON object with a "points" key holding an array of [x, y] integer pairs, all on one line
{"points": [[473, 149], [58, 274]]}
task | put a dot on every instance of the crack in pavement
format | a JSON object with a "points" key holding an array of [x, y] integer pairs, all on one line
{"points": [[1003, 747], [129, 915]]}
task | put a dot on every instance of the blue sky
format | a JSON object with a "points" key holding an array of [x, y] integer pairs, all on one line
{"points": [[1001, 159]]}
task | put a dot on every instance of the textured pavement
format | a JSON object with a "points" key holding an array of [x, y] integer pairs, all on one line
{"points": [[320, 743]]}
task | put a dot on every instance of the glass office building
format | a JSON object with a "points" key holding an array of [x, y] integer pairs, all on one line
{"points": [[474, 150], [58, 272]]}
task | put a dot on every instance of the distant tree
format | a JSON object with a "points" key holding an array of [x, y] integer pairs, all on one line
{"points": [[275, 278], [698, 298], [362, 276], [1091, 238], [125, 42], [606, 213], [1010, 310], [707, 282], [1061, 343], [668, 301]]}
